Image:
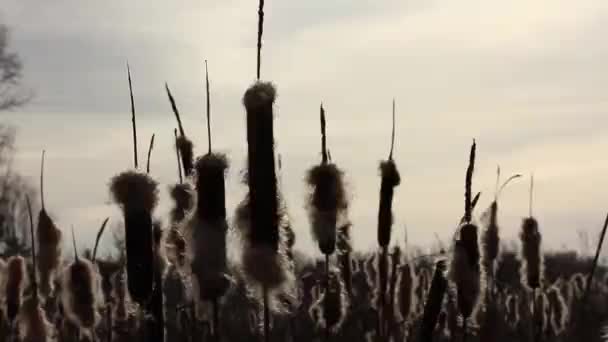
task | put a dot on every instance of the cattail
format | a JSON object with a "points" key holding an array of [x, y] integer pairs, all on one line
{"points": [[406, 283], [390, 179], [532, 270], [49, 244], [371, 270], [327, 202], [490, 238], [80, 288], [98, 238], [15, 284], [120, 296], [578, 283], [206, 229], [512, 310], [263, 194], [465, 270], [541, 312], [34, 326], [333, 304], [183, 199], [559, 310], [137, 195], [434, 301], [345, 263], [183, 144]]}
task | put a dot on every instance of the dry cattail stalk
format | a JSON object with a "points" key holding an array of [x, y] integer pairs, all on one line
{"points": [[465, 270], [332, 304], [133, 122], [205, 230], [327, 203], [512, 310], [183, 144], [389, 180], [49, 243], [15, 284], [432, 308], [559, 310], [120, 295], [33, 324], [150, 153], [137, 195], [406, 283], [345, 262], [79, 295], [532, 270], [490, 238], [578, 283], [264, 256], [98, 238]]}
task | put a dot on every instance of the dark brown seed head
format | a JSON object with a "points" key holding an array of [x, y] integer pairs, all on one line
{"points": [[390, 179], [530, 253]]}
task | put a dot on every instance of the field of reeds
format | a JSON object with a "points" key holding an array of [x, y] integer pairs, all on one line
{"points": [[177, 282]]}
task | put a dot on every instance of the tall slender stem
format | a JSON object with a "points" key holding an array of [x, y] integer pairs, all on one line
{"points": [[326, 298], [595, 261], [208, 105], [266, 314], [260, 33], [133, 117], [179, 160]]}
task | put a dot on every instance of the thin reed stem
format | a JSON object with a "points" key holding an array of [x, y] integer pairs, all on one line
{"points": [[390, 155], [260, 33], [42, 180], [595, 261], [266, 314], [179, 160], [208, 105], [133, 117], [531, 194], [150, 153], [326, 298], [323, 136]]}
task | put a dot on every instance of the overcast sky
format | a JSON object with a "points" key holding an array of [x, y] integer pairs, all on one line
{"points": [[527, 79]]}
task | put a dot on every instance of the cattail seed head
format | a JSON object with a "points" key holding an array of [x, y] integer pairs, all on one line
{"points": [[434, 301], [327, 204], [406, 284], [80, 286], [344, 246], [512, 310], [183, 199], [490, 239], [532, 270], [390, 179], [332, 304], [559, 310], [210, 186], [34, 326], [137, 195], [465, 270], [120, 296], [263, 193], [578, 283], [15, 284], [49, 252]]}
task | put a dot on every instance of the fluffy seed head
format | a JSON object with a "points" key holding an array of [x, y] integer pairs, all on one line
{"points": [[80, 295], [261, 173], [183, 199], [210, 170], [185, 147], [512, 310], [34, 327], [490, 239], [327, 204], [49, 252], [390, 179], [406, 284], [559, 310], [133, 190], [15, 285], [532, 270], [465, 270], [332, 304]]}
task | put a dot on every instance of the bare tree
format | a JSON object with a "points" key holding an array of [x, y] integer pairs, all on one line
{"points": [[12, 94], [14, 233]]}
